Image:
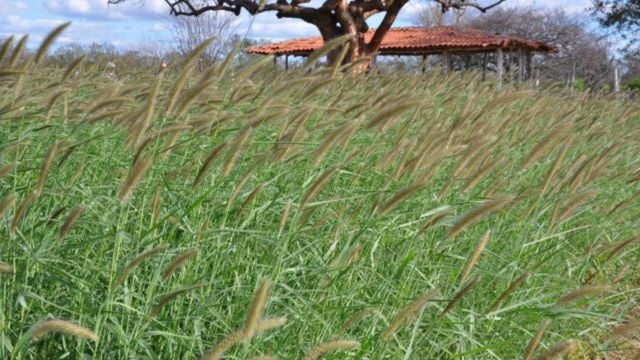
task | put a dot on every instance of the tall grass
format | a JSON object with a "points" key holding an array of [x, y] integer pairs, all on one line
{"points": [[361, 194]]}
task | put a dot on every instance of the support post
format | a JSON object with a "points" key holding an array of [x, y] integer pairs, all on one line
{"points": [[484, 66], [520, 65], [528, 69], [500, 62], [286, 62], [616, 80], [424, 63], [446, 62]]}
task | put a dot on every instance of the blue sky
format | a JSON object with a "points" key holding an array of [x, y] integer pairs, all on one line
{"points": [[137, 22]]}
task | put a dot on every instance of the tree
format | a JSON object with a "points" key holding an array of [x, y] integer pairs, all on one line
{"points": [[333, 18], [624, 15], [191, 31]]}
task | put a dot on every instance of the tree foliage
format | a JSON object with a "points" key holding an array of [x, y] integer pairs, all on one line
{"points": [[333, 18], [621, 14]]}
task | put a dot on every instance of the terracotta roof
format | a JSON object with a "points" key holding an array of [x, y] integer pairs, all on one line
{"points": [[415, 40]]}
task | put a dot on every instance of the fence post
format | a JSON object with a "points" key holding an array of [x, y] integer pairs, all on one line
{"points": [[616, 80]]}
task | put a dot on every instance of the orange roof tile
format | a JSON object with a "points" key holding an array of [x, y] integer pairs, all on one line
{"points": [[414, 40]]}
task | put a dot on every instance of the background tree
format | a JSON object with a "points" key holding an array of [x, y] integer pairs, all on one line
{"points": [[623, 15], [190, 31], [333, 18], [581, 54]]}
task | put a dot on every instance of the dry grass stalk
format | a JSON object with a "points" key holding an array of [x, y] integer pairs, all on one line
{"points": [[533, 344], [557, 351], [68, 223], [256, 309], [156, 206], [582, 292], [621, 331], [459, 295], [7, 202], [408, 312], [512, 287], [47, 327], [473, 258], [475, 214], [137, 261], [5, 268], [319, 351], [207, 163], [356, 317], [136, 173], [45, 166], [178, 261]]}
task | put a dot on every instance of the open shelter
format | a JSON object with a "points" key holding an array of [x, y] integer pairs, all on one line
{"points": [[445, 41]]}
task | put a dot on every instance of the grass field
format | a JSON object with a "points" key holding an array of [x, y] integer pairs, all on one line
{"points": [[391, 216]]}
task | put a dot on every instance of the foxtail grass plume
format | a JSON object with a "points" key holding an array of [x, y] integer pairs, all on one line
{"points": [[178, 261], [137, 261], [459, 295], [476, 214], [622, 330], [237, 146], [582, 292], [213, 154], [5, 268], [169, 297], [47, 327], [356, 317], [511, 288], [136, 173], [236, 337], [533, 344], [45, 166], [557, 351], [6, 169], [318, 185], [70, 221], [7, 202], [399, 197], [473, 258], [408, 312], [21, 210], [319, 351], [48, 41], [256, 309]]}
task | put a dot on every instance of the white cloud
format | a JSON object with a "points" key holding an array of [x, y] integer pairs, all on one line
{"points": [[100, 10]]}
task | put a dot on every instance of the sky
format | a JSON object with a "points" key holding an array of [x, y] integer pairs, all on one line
{"points": [[138, 22]]}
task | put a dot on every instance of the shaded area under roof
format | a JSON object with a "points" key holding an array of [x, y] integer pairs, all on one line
{"points": [[416, 41]]}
